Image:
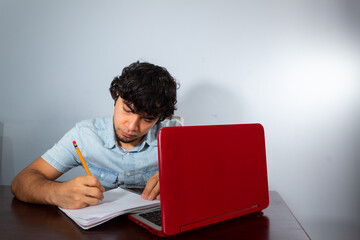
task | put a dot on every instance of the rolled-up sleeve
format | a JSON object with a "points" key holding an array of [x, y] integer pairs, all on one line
{"points": [[62, 155]]}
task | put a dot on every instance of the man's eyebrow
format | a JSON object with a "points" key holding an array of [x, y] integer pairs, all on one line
{"points": [[149, 117], [128, 105], [144, 115]]}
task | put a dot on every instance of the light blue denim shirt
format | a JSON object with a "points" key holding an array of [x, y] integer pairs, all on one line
{"points": [[111, 164]]}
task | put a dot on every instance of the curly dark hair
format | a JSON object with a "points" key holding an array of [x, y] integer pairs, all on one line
{"points": [[150, 89]]}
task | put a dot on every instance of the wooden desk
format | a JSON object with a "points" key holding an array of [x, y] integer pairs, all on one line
{"points": [[20, 220]]}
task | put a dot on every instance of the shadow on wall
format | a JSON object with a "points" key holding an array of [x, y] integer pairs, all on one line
{"points": [[6, 158], [1, 145], [208, 104], [355, 170]]}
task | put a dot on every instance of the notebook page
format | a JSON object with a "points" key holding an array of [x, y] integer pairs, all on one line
{"points": [[116, 202]]}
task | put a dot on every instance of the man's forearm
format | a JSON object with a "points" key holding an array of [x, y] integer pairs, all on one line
{"points": [[31, 186]]}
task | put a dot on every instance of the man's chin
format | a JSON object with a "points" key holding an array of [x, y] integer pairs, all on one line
{"points": [[124, 140]]}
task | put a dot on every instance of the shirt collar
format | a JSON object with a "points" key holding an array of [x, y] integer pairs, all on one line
{"points": [[109, 141], [149, 140], [151, 136]]}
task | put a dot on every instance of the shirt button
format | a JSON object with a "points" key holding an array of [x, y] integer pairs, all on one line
{"points": [[127, 154], [129, 174], [102, 175]]}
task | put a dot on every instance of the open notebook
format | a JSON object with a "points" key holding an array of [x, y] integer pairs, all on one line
{"points": [[116, 202]]}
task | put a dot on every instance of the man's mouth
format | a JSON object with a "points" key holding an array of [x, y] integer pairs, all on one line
{"points": [[128, 135]]}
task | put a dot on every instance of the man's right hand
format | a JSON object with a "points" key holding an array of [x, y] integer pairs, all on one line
{"points": [[78, 193], [36, 184]]}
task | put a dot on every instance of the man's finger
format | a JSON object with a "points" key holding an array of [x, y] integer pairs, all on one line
{"points": [[150, 185], [154, 192], [92, 181], [91, 201], [93, 192]]}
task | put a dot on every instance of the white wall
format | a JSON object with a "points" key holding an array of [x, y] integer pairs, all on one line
{"points": [[291, 65]]}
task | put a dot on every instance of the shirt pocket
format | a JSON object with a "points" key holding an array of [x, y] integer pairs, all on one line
{"points": [[107, 178], [146, 168]]}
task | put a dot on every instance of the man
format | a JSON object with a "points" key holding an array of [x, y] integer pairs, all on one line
{"points": [[119, 151]]}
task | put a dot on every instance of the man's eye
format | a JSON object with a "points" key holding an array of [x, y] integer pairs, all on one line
{"points": [[149, 119], [127, 110]]}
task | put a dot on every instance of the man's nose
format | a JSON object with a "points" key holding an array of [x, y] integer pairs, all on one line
{"points": [[134, 122]]}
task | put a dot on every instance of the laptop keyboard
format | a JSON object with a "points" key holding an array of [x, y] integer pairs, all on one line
{"points": [[154, 217]]}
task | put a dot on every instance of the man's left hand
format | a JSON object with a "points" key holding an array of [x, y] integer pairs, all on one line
{"points": [[152, 188]]}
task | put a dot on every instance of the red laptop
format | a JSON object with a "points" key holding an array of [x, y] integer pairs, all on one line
{"points": [[208, 174]]}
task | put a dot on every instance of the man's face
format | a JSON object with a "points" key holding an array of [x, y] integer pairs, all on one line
{"points": [[129, 127]]}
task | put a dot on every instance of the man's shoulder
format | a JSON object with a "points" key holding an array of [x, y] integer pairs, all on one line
{"points": [[169, 122], [172, 122], [98, 123], [96, 130]]}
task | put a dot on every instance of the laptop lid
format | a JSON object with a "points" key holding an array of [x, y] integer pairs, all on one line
{"points": [[210, 174]]}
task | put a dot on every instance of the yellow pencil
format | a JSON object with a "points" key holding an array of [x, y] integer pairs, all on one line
{"points": [[81, 158]]}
